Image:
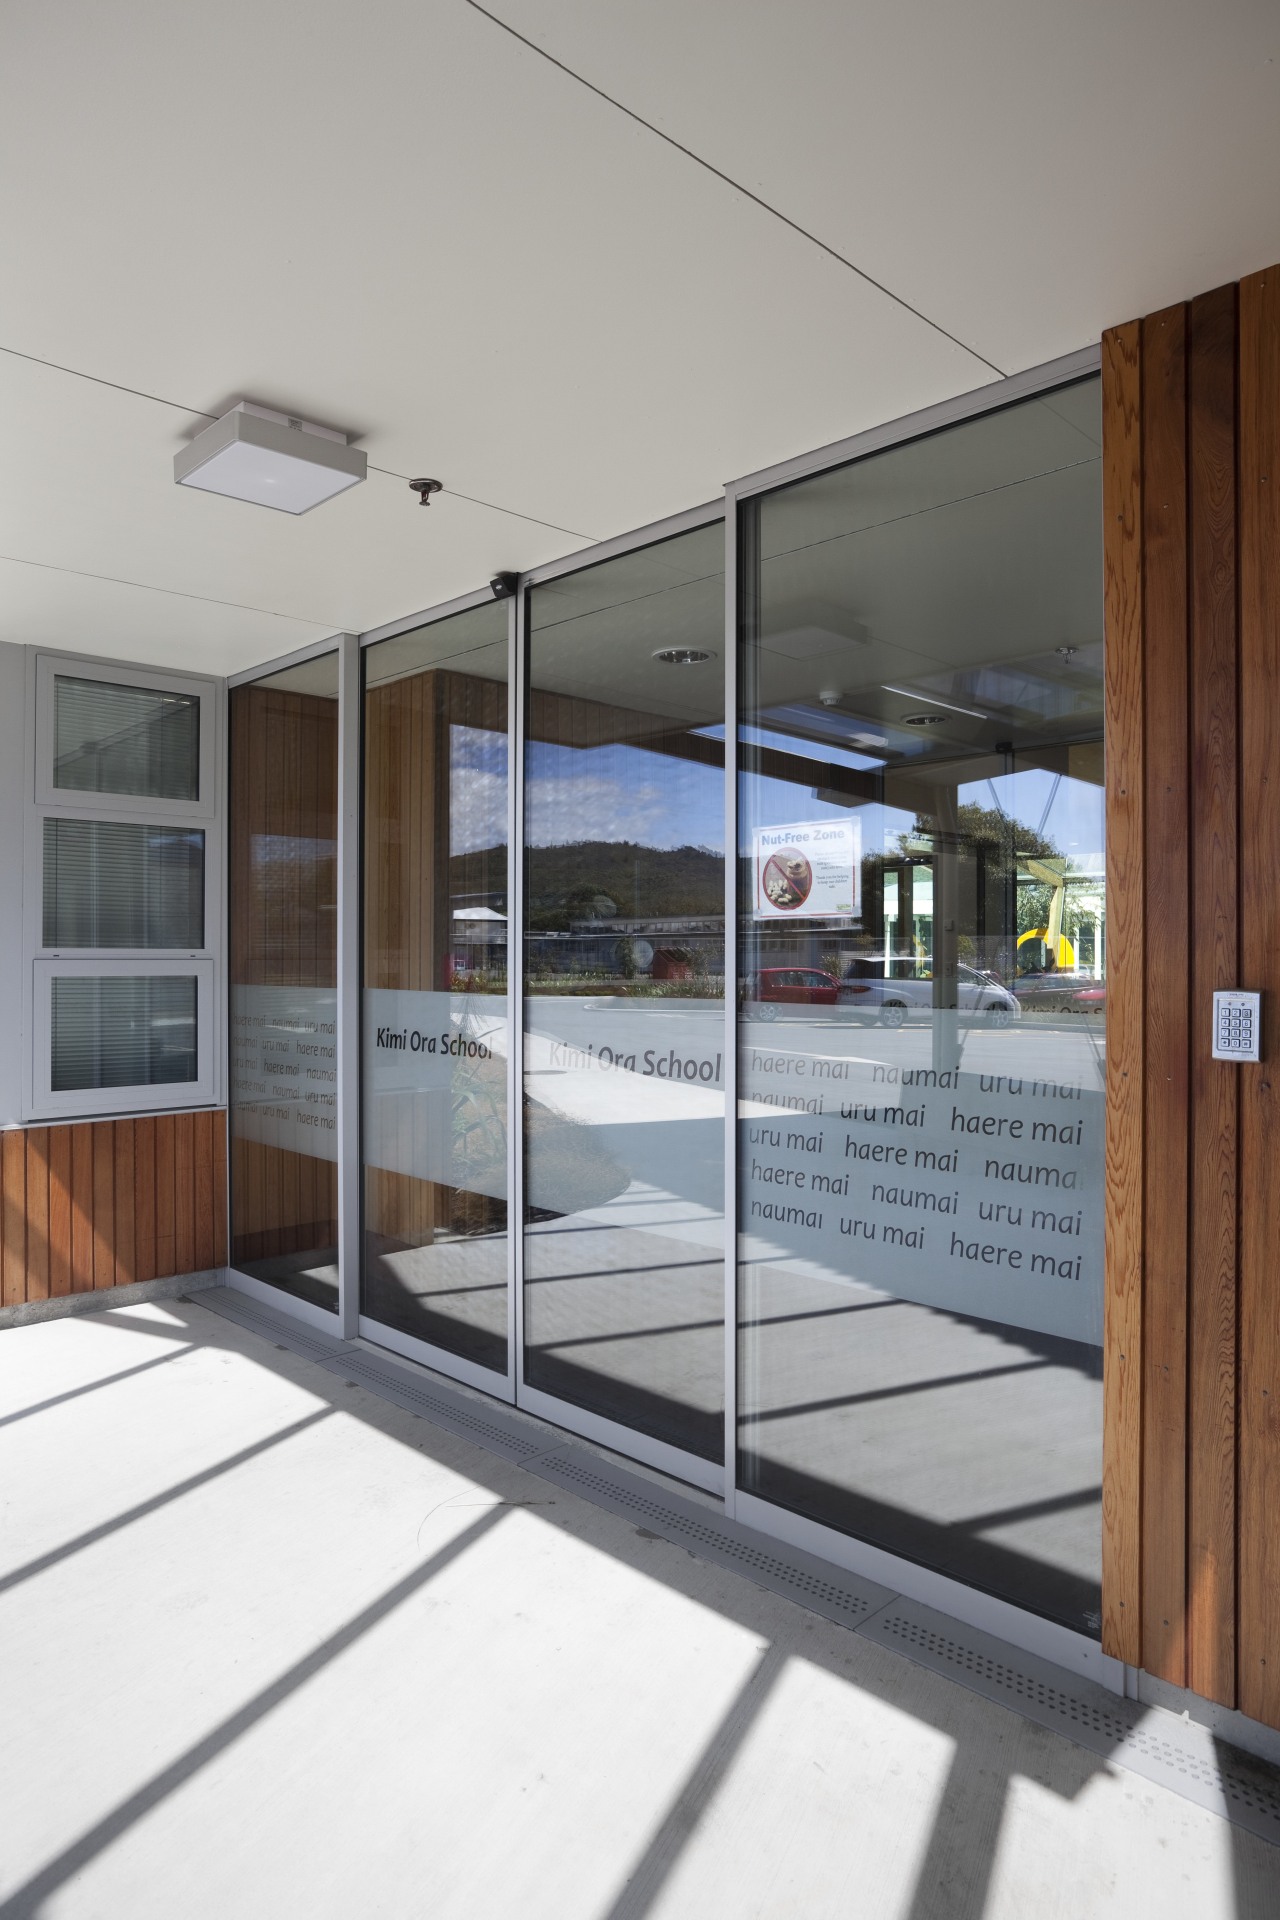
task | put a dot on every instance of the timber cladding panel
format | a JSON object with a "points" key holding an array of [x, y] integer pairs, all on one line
{"points": [[1191, 1508], [283, 933], [103, 1203]]}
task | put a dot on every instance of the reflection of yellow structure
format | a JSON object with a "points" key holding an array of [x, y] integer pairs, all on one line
{"points": [[1066, 952]]}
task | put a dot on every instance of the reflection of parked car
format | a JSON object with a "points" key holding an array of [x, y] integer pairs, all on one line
{"points": [[1058, 991], [775, 988], [896, 990]]}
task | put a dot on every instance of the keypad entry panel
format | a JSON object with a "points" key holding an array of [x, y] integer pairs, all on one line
{"points": [[1237, 1026]]}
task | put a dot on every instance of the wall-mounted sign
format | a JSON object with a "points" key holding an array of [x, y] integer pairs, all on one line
{"points": [[809, 870]]}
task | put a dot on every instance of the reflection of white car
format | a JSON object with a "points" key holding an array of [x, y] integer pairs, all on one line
{"points": [[873, 988]]}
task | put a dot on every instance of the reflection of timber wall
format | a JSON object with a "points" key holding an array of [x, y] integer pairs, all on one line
{"points": [[1191, 1501], [106, 1202], [407, 883], [284, 789]]}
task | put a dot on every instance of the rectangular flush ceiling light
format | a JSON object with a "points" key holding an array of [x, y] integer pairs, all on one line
{"points": [[270, 459]]}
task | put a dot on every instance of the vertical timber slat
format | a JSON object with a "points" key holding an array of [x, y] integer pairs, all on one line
{"points": [[81, 1209], [144, 1198], [37, 1206], [1164, 1383], [1259, 1412], [13, 1251], [59, 1212], [1122, 1321], [125, 1247], [1214, 963]]}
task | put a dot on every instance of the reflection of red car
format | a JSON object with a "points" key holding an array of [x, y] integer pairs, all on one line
{"points": [[1060, 991], [774, 988]]}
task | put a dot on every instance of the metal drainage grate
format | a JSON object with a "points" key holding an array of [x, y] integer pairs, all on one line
{"points": [[844, 1600], [1161, 1748], [234, 1307], [450, 1409]]}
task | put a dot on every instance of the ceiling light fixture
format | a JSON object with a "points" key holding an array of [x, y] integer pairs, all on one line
{"points": [[270, 459], [682, 656], [927, 699]]}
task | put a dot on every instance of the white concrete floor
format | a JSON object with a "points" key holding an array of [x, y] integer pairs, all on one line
{"points": [[272, 1647]]}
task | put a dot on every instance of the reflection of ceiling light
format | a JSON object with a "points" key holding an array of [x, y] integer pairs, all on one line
{"points": [[868, 740], [270, 460], [928, 700], [922, 719], [682, 656]]}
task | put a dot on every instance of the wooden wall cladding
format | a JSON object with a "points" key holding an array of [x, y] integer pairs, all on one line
{"points": [[283, 933], [107, 1202], [1191, 1567]]}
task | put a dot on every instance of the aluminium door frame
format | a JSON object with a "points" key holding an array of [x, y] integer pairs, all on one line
{"points": [[469, 1373], [616, 1435], [304, 1311], [990, 1614], [987, 1612]]}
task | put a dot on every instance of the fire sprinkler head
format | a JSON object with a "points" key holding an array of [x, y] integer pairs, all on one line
{"points": [[424, 490]]}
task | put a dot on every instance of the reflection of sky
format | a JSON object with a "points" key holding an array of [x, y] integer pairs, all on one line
{"points": [[617, 792], [1072, 822], [477, 789], [1066, 812]]}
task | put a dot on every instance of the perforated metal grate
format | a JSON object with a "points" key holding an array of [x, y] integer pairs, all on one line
{"points": [[235, 1307], [451, 1409], [845, 1600], [1170, 1752]]}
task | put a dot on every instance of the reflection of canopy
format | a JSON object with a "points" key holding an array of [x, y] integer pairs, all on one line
{"points": [[478, 913]]}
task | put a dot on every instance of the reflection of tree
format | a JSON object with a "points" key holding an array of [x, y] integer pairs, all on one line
{"points": [[565, 883]]}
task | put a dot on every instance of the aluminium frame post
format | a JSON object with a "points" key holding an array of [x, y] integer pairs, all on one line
{"points": [[730, 1001], [517, 630], [348, 1010]]}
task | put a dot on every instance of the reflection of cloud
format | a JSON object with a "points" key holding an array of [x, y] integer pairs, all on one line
{"points": [[618, 792], [477, 810], [590, 806], [477, 789]]}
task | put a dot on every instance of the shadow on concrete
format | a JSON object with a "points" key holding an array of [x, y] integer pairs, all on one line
{"points": [[954, 1878]]}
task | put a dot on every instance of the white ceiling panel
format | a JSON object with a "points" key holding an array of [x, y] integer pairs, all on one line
{"points": [[1025, 172], [402, 223], [119, 620]]}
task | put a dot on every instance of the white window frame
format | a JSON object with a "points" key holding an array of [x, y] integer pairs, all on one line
{"points": [[54, 666], [140, 1099], [206, 963]]}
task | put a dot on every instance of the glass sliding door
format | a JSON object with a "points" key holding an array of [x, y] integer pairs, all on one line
{"points": [[434, 1107], [283, 980], [624, 984], [923, 1002]]}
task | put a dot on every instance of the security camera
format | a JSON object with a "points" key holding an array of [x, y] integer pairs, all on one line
{"points": [[829, 699], [503, 585]]}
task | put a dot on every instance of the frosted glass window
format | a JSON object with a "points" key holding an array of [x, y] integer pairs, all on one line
{"points": [[122, 1030], [111, 738], [111, 884]]}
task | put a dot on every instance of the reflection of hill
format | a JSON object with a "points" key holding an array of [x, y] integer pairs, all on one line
{"points": [[579, 879]]}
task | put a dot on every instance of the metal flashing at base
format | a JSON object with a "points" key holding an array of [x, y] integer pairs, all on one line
{"points": [[1160, 1746]]}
